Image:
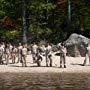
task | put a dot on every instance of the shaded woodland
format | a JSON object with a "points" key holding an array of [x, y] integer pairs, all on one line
{"points": [[34, 20]]}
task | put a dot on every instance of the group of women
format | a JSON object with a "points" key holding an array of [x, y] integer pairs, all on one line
{"points": [[18, 53]]}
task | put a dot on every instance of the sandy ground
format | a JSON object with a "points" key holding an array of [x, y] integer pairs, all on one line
{"points": [[74, 65]]}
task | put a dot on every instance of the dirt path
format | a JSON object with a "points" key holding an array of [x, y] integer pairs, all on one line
{"points": [[74, 65]]}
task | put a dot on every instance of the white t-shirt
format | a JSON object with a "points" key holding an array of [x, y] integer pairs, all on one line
{"points": [[24, 51], [3, 48], [19, 49], [15, 50], [7, 51], [35, 47], [49, 48], [10, 47], [63, 50]]}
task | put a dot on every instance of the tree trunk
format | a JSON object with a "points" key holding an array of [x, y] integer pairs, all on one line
{"points": [[24, 21], [47, 11], [69, 17]]}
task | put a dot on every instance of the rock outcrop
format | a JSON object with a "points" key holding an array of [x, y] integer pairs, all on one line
{"points": [[76, 45]]}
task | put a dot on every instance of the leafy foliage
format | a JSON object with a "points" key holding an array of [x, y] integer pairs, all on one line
{"points": [[44, 20]]}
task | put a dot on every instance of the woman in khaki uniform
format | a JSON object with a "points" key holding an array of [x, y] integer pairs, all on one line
{"points": [[63, 52], [14, 54], [48, 55], [7, 53], [24, 55]]}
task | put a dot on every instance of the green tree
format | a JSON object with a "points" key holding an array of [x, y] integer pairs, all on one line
{"points": [[38, 26]]}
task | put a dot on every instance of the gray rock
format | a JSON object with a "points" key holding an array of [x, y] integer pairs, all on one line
{"points": [[55, 48], [76, 45]]}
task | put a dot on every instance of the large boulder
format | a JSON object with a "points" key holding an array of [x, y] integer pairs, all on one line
{"points": [[76, 45], [55, 48]]}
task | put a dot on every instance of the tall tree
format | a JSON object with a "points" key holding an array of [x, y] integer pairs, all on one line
{"points": [[24, 21]]}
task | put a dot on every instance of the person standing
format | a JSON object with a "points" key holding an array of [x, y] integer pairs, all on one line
{"points": [[24, 55], [10, 48], [39, 57], [1, 54], [3, 46], [19, 53], [63, 52], [87, 55], [48, 55], [7, 53], [14, 54], [34, 52]]}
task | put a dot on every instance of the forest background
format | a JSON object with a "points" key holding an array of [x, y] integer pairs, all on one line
{"points": [[44, 19]]}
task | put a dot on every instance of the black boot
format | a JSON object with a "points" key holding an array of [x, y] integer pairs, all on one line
{"points": [[83, 64], [64, 66], [60, 66]]}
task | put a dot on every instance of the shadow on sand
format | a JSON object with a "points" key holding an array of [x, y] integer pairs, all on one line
{"points": [[34, 66], [76, 64]]}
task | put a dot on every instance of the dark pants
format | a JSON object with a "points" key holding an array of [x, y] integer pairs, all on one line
{"points": [[24, 61], [1, 62], [34, 57], [39, 59]]}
